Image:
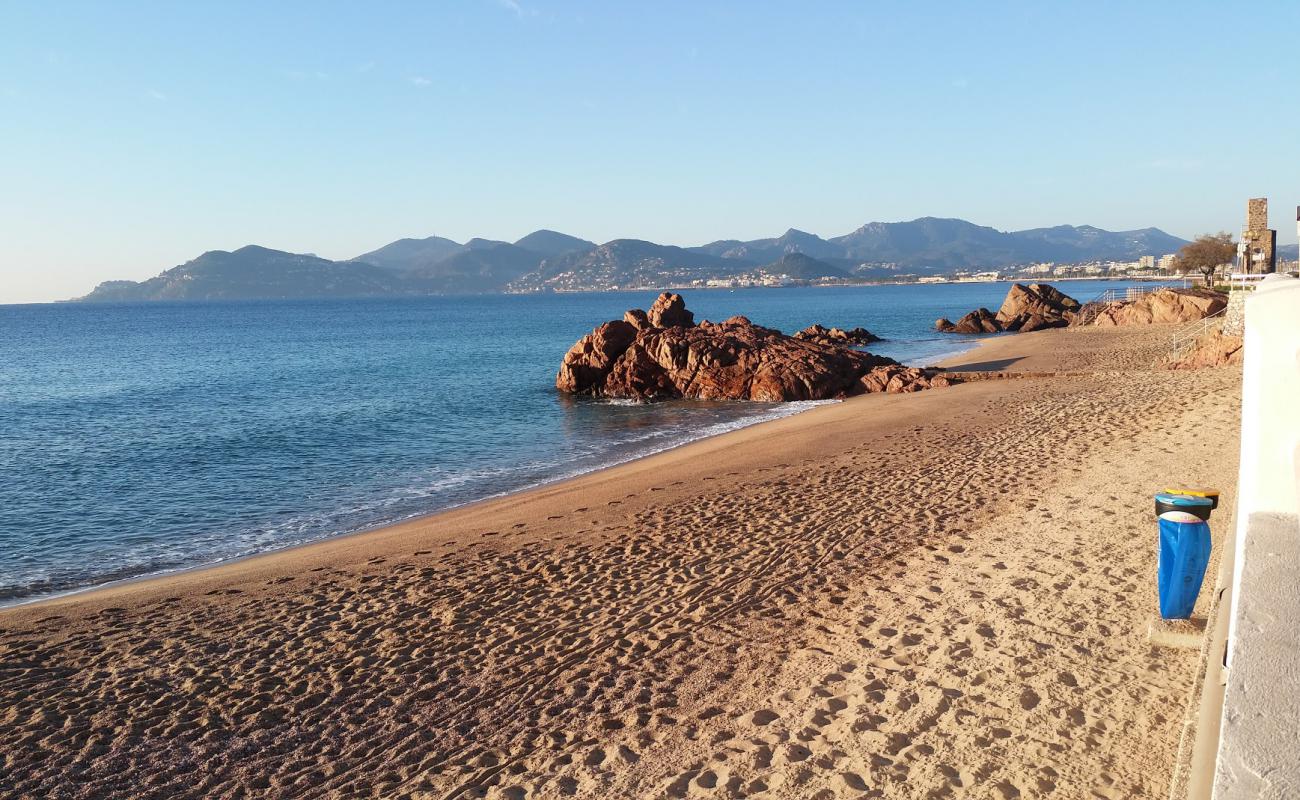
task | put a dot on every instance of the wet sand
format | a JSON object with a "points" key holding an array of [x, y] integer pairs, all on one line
{"points": [[929, 595]]}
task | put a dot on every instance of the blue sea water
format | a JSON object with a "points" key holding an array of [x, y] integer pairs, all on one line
{"points": [[141, 438]]}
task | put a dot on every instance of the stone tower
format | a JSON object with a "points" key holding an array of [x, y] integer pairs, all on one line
{"points": [[1258, 240]]}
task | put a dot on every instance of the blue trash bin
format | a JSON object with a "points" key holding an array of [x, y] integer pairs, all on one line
{"points": [[1184, 554]]}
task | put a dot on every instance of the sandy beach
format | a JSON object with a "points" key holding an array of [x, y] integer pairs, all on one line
{"points": [[941, 594]]}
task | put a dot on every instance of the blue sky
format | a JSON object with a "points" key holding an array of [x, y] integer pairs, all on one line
{"points": [[134, 136]]}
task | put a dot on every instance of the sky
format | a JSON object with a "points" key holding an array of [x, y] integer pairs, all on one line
{"points": [[135, 136]]}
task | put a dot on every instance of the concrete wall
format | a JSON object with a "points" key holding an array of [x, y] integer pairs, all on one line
{"points": [[1259, 739]]}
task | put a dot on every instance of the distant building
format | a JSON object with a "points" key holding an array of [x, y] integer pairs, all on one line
{"points": [[1166, 262], [1257, 250], [1147, 262]]}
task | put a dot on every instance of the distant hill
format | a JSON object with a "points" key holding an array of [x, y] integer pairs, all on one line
{"points": [[1084, 242], [761, 251], [628, 262], [547, 260], [254, 272], [411, 253], [803, 267], [932, 244], [551, 243], [483, 266]]}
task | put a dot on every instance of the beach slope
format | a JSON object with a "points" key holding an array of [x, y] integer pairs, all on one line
{"points": [[927, 595]]}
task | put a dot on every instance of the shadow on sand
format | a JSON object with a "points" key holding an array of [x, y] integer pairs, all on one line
{"points": [[984, 366]]}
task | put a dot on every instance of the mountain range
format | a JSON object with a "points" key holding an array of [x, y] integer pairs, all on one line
{"points": [[547, 260]]}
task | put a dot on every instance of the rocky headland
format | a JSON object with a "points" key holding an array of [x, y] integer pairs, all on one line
{"points": [[662, 354]]}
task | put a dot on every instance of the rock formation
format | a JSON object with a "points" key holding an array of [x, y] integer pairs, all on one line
{"points": [[1214, 349], [837, 336], [1035, 306], [669, 311], [1025, 308], [981, 320], [663, 354], [1163, 305]]}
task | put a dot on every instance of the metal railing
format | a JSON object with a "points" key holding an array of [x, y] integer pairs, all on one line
{"points": [[1089, 311], [1185, 337]]}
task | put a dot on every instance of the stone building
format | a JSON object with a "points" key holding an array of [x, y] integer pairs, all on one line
{"points": [[1258, 249]]}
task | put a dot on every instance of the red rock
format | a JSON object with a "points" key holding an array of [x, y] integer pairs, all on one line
{"points": [[1025, 308], [731, 360], [837, 336], [1037, 301], [1163, 305], [981, 320], [895, 379], [1211, 350], [1035, 322], [637, 319], [590, 359], [669, 310]]}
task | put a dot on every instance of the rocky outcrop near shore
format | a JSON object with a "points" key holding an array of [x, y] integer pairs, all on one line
{"points": [[663, 354], [981, 320], [1162, 305], [1039, 305], [854, 337], [1025, 308]]}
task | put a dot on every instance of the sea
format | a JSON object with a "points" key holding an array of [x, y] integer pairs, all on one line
{"points": [[139, 439]]}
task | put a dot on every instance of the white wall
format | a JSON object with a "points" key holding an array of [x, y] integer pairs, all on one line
{"points": [[1259, 744]]}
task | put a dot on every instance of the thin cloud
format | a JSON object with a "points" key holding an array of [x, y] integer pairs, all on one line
{"points": [[154, 94], [515, 7], [419, 80]]}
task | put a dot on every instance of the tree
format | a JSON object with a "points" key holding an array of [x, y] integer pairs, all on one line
{"points": [[1206, 255]]}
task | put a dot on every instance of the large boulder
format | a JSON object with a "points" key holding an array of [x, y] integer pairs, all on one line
{"points": [[590, 359], [637, 319], [1163, 305], [1025, 308], [730, 360], [896, 378], [669, 311], [1038, 303]]}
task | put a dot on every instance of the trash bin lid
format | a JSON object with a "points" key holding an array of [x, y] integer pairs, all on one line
{"points": [[1183, 500], [1193, 492], [1181, 517]]}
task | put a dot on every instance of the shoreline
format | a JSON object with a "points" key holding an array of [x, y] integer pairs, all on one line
{"points": [[427, 516], [419, 517], [908, 592]]}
